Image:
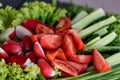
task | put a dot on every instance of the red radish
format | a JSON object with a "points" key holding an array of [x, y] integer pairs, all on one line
{"points": [[3, 54], [22, 31], [28, 63], [31, 23], [51, 41], [80, 58], [32, 56], [13, 35], [27, 44], [17, 59], [99, 63], [45, 68], [38, 50], [81, 68], [11, 47]]}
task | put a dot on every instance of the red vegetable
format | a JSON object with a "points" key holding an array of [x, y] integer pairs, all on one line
{"points": [[63, 24], [99, 63], [3, 54]]}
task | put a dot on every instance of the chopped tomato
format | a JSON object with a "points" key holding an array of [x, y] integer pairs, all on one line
{"points": [[36, 37], [80, 58], [42, 29], [65, 67], [68, 46], [81, 68], [61, 54], [51, 41], [99, 63], [52, 54], [77, 40], [31, 23], [63, 24]]}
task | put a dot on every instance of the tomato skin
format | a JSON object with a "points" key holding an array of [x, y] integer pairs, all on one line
{"points": [[42, 29], [51, 41], [68, 46], [77, 40], [31, 23], [63, 24], [65, 67], [81, 68], [55, 54], [99, 63], [80, 58]]}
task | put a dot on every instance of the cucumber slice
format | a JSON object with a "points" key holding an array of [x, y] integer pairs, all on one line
{"points": [[105, 40], [89, 19], [85, 32], [92, 41], [5, 34], [79, 16]]}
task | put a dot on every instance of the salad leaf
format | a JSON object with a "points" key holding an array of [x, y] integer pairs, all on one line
{"points": [[15, 72]]}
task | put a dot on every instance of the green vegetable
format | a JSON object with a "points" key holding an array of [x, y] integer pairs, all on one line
{"points": [[89, 30], [79, 16], [88, 19], [105, 40], [14, 72]]}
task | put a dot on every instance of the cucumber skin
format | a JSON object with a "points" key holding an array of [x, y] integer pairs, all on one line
{"points": [[103, 49]]}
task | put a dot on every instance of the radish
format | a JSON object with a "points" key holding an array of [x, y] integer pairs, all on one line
{"points": [[38, 50], [22, 31], [5, 35], [12, 47], [3, 54], [46, 69]]}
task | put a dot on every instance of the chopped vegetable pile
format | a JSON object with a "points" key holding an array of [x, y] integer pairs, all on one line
{"points": [[42, 41]]}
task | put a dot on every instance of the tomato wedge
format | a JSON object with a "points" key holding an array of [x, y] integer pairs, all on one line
{"points": [[42, 29], [51, 41], [80, 58], [31, 23], [68, 46], [81, 68], [63, 24], [65, 67], [58, 54], [99, 63], [77, 40]]}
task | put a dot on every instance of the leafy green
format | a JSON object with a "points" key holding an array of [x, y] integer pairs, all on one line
{"points": [[15, 72], [115, 27]]}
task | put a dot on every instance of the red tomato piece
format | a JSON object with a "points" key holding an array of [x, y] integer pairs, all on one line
{"points": [[51, 41], [63, 24], [80, 58], [65, 67], [61, 54], [51, 55], [99, 63], [42, 29], [37, 37], [77, 40], [68, 46], [81, 68], [31, 23]]}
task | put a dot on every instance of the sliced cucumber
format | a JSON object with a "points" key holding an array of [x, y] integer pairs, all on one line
{"points": [[89, 19], [79, 16], [102, 31], [105, 40], [5, 34], [85, 32], [93, 41]]}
